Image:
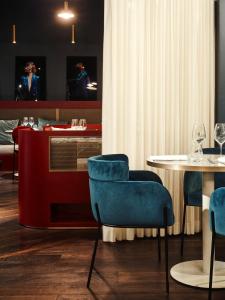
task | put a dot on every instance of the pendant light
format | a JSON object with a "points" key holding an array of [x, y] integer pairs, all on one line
{"points": [[66, 13]]}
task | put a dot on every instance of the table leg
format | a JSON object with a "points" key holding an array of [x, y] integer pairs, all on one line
{"points": [[208, 188], [196, 273]]}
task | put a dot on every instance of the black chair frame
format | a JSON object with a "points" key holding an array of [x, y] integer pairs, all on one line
{"points": [[183, 226], [128, 226], [182, 230], [15, 152], [213, 244]]}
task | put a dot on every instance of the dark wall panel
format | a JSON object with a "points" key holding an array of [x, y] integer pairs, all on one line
{"points": [[40, 33], [220, 61]]}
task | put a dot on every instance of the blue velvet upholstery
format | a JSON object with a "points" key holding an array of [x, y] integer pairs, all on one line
{"points": [[193, 182], [135, 198], [193, 188], [109, 168], [219, 177], [217, 205], [144, 176]]}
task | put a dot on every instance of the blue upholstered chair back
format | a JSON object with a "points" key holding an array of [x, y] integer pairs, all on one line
{"points": [[123, 202], [193, 182], [109, 167], [217, 205], [219, 177]]}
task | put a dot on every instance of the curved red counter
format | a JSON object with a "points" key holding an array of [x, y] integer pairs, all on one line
{"points": [[52, 198]]}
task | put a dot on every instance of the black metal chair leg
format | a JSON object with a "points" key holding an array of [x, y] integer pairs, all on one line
{"points": [[159, 244], [166, 251], [182, 231], [14, 162], [212, 257], [93, 256]]}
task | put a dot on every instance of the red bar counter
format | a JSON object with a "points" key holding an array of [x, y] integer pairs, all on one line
{"points": [[51, 197]]}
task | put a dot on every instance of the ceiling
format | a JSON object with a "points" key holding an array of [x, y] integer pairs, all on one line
{"points": [[36, 21]]}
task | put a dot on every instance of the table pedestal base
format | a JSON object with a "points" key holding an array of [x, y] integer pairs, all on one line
{"points": [[190, 273]]}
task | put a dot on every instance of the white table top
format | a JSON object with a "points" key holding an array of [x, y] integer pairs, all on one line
{"points": [[196, 272], [178, 162]]}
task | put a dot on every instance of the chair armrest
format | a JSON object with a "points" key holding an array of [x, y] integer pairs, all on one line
{"points": [[144, 176], [131, 203]]}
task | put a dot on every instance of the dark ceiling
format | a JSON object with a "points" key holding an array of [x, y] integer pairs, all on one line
{"points": [[36, 21]]}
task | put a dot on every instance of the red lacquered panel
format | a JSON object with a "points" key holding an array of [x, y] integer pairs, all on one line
{"points": [[48, 198], [50, 104]]}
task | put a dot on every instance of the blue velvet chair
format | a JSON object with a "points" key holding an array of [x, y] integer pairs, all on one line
{"points": [[123, 198], [217, 224], [193, 189]]}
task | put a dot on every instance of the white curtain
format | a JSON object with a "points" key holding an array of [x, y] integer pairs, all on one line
{"points": [[158, 79]]}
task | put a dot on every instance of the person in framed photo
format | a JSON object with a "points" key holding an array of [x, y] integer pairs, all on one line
{"points": [[77, 86], [28, 87]]}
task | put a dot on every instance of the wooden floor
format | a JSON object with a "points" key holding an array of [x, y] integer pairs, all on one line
{"points": [[53, 264]]}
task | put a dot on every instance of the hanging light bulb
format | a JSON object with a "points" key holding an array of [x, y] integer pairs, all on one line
{"points": [[66, 13]]}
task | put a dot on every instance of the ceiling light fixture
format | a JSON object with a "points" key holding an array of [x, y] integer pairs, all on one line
{"points": [[66, 13], [14, 34], [73, 34]]}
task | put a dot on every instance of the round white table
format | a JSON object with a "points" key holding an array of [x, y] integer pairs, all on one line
{"points": [[196, 272]]}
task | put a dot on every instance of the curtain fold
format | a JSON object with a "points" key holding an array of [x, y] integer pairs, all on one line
{"points": [[158, 80]]}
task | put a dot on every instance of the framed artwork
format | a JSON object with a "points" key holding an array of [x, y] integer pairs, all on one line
{"points": [[30, 78], [81, 78]]}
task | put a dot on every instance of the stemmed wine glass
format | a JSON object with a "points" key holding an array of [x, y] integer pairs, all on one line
{"points": [[83, 123], [31, 121], [219, 135], [74, 123], [198, 137], [25, 121]]}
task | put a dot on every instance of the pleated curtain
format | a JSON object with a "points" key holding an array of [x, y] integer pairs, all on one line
{"points": [[158, 80]]}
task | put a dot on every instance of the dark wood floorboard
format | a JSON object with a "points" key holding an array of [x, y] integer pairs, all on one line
{"points": [[53, 264]]}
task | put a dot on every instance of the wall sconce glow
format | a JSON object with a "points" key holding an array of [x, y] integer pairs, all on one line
{"points": [[66, 14], [73, 34], [92, 86], [14, 34]]}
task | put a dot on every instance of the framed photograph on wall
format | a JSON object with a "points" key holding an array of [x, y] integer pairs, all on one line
{"points": [[30, 78], [81, 78]]}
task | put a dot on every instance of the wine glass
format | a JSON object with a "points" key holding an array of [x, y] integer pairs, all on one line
{"points": [[31, 121], [219, 135], [83, 123], [74, 122], [25, 121], [198, 137]]}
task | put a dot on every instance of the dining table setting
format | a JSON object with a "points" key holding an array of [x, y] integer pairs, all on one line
{"points": [[196, 272]]}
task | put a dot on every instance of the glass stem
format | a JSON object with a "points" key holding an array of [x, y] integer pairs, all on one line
{"points": [[221, 149], [200, 149]]}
